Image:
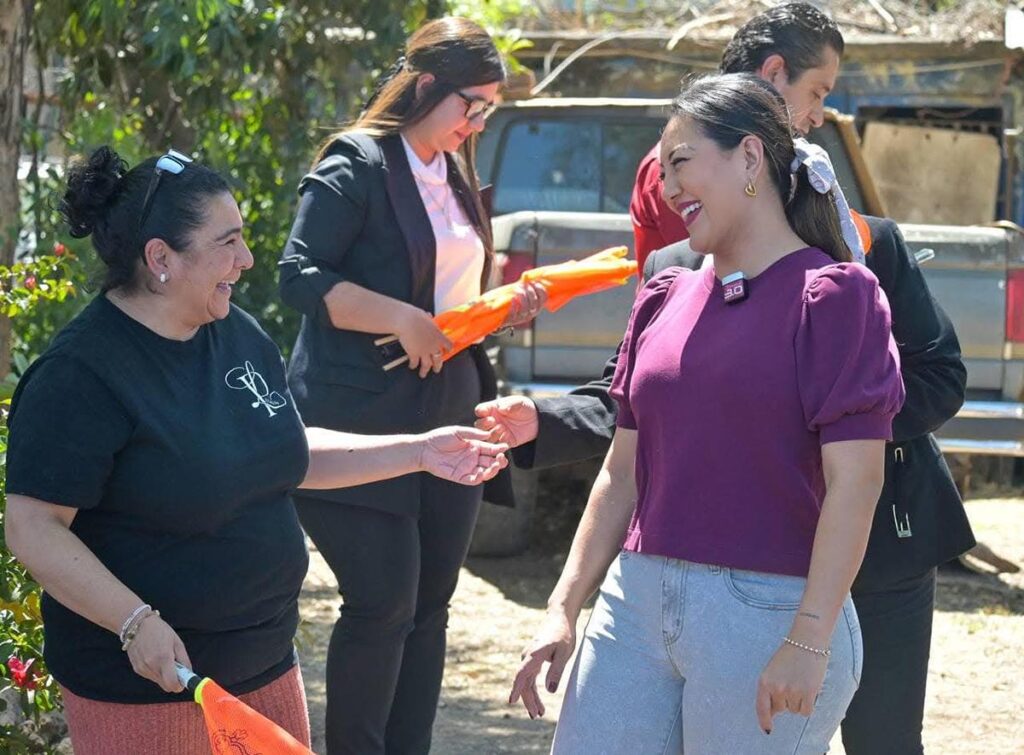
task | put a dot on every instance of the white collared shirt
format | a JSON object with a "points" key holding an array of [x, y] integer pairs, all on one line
{"points": [[460, 252]]}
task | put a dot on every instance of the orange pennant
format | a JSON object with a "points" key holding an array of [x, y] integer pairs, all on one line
{"points": [[234, 727]]}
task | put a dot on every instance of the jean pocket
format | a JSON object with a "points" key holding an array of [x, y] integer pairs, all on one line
{"points": [[849, 618], [774, 592]]}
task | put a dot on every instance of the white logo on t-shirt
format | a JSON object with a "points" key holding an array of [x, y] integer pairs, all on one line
{"points": [[246, 378]]}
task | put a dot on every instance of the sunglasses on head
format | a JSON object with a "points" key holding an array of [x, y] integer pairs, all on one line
{"points": [[477, 107], [174, 163]]}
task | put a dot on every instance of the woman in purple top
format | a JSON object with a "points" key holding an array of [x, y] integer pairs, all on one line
{"points": [[734, 505]]}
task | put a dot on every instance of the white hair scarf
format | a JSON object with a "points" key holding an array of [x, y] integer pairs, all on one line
{"points": [[823, 179]]}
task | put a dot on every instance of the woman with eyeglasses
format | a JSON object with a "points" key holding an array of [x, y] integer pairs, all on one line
{"points": [[152, 454], [390, 230]]}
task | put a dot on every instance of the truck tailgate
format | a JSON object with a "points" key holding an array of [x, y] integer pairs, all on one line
{"points": [[571, 345], [968, 278]]}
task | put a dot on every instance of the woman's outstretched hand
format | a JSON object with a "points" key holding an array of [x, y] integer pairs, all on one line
{"points": [[462, 454]]}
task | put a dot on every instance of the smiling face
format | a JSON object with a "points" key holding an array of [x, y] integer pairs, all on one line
{"points": [[703, 183], [201, 278], [446, 127], [805, 94]]}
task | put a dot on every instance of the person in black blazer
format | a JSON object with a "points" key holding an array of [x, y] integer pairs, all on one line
{"points": [[920, 521], [390, 230]]}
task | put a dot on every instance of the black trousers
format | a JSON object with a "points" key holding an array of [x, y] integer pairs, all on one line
{"points": [[887, 712], [396, 575]]}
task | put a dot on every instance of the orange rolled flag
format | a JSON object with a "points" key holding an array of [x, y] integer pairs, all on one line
{"points": [[468, 323], [233, 726], [565, 281]]}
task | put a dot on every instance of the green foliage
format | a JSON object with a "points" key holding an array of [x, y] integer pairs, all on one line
{"points": [[494, 16], [24, 284], [23, 287]]}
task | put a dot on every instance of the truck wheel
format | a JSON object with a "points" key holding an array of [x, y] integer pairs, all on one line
{"points": [[504, 531]]}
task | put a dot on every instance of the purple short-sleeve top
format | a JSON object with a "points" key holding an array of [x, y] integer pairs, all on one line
{"points": [[733, 401]]}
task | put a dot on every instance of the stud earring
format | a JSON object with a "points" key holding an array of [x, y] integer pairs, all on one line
{"points": [[163, 277], [749, 189]]}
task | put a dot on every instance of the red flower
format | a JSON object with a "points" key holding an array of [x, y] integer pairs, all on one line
{"points": [[59, 249], [21, 672], [30, 282]]}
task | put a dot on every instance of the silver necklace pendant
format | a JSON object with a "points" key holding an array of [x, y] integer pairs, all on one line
{"points": [[442, 202]]}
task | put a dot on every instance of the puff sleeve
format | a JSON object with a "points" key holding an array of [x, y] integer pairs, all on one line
{"points": [[330, 216], [648, 302], [848, 367]]}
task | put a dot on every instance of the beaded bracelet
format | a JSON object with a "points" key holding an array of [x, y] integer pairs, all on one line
{"points": [[817, 651], [134, 629], [130, 620]]}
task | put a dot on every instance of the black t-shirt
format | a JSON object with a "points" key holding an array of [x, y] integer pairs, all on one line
{"points": [[180, 457]]}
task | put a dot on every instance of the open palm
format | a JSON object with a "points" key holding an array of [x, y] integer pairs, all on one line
{"points": [[463, 455]]}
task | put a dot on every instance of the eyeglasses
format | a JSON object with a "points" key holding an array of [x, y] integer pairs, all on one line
{"points": [[477, 107], [174, 163]]}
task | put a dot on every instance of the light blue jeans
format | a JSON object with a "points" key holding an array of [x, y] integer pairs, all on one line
{"points": [[670, 660]]}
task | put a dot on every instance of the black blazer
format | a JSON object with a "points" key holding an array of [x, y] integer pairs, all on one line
{"points": [[361, 219], [917, 485]]}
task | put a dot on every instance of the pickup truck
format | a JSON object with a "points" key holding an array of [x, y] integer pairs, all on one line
{"points": [[562, 171]]}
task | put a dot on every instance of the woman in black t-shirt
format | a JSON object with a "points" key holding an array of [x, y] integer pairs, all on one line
{"points": [[153, 450]]}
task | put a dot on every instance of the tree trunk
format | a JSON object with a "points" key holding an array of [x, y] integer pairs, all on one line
{"points": [[436, 8], [14, 20]]}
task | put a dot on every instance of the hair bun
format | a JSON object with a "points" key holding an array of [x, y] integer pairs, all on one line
{"points": [[91, 185]]}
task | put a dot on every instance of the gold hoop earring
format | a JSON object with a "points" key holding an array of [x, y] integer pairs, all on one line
{"points": [[749, 189]]}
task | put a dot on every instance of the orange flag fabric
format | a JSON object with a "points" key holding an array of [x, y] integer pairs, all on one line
{"points": [[234, 727], [863, 230], [468, 323]]}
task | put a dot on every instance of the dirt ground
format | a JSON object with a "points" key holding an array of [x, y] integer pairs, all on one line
{"points": [[975, 685]]}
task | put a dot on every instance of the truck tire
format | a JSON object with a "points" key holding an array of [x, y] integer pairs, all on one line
{"points": [[504, 531]]}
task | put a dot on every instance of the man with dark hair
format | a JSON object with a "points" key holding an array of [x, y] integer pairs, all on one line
{"points": [[796, 48], [920, 521]]}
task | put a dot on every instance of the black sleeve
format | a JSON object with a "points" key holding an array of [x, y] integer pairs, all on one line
{"points": [[66, 428], [933, 372], [330, 216], [573, 427], [579, 425]]}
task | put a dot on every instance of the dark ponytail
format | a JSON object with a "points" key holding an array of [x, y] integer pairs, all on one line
{"points": [[104, 199], [814, 218], [727, 108]]}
